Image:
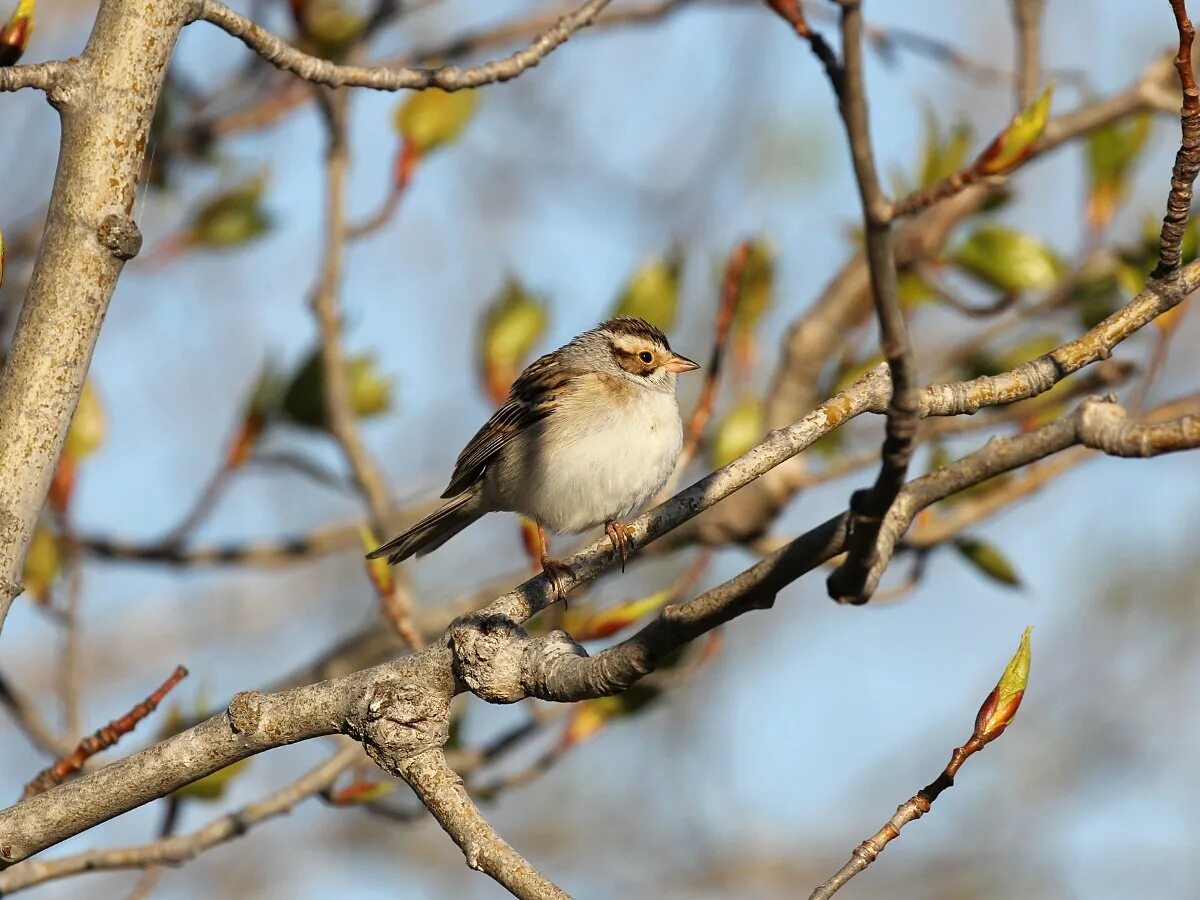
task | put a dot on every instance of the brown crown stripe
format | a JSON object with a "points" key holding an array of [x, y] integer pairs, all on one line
{"points": [[632, 326]]}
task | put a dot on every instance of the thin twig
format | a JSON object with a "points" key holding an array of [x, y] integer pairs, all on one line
{"points": [[1187, 159], [178, 849], [992, 720], [102, 739], [449, 78], [26, 715], [849, 582], [1027, 16], [339, 410]]}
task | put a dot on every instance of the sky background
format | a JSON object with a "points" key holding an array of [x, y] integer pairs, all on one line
{"points": [[759, 776]]}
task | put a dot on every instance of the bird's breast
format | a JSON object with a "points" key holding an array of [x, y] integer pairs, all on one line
{"points": [[591, 462]]}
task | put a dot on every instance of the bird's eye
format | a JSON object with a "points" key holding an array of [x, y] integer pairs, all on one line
{"points": [[646, 356]]}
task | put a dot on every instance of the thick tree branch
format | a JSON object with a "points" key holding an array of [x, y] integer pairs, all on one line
{"points": [[441, 790], [106, 99], [449, 78], [178, 849]]}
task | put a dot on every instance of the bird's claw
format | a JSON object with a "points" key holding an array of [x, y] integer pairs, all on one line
{"points": [[620, 535], [555, 571]]}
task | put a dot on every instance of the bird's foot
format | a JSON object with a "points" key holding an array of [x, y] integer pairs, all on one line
{"points": [[555, 571], [620, 535]]}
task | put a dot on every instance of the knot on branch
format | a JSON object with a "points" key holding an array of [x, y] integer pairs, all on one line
{"points": [[397, 720], [120, 235], [489, 656], [245, 712]]}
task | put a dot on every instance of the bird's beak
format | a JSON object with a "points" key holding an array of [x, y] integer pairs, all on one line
{"points": [[679, 363]]}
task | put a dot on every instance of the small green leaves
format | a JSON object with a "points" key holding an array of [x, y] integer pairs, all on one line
{"points": [[942, 155], [988, 560], [758, 285], [590, 716], [433, 117], [1008, 259], [513, 323], [1015, 144], [231, 217], [16, 32], [1111, 153], [740, 429], [304, 399], [42, 564], [327, 26], [211, 788], [86, 433], [652, 292]]}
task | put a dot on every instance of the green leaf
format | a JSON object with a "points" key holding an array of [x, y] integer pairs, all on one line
{"points": [[1008, 259], [432, 118], [1014, 145], [231, 217], [212, 787], [304, 400], [758, 285], [942, 155], [740, 429], [988, 560], [652, 292], [1112, 150], [512, 324]]}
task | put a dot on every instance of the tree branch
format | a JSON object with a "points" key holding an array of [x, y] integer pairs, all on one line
{"points": [[106, 99], [1027, 16], [449, 78], [181, 848], [44, 76], [101, 740], [1187, 159], [441, 790], [848, 583]]}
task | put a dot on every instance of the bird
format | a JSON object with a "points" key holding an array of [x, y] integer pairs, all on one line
{"points": [[589, 432]]}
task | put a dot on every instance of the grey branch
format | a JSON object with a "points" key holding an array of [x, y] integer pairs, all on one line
{"points": [[44, 76], [106, 99], [178, 849], [399, 709], [449, 78]]}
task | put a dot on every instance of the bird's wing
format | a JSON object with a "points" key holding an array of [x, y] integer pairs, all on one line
{"points": [[531, 398]]}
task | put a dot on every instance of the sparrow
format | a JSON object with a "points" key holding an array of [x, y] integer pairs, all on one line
{"points": [[589, 433]]}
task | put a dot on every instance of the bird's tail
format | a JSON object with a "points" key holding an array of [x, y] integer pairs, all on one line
{"points": [[433, 530]]}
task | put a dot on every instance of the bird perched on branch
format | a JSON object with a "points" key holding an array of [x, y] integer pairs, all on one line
{"points": [[588, 434]]}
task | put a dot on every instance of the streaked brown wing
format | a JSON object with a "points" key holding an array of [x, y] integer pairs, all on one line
{"points": [[530, 400]]}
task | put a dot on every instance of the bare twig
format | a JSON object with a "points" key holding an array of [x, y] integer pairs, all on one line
{"points": [[44, 76], [1027, 16], [179, 849], [26, 715], [102, 739], [1187, 160], [848, 582], [339, 410], [448, 78], [792, 12], [993, 718]]}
